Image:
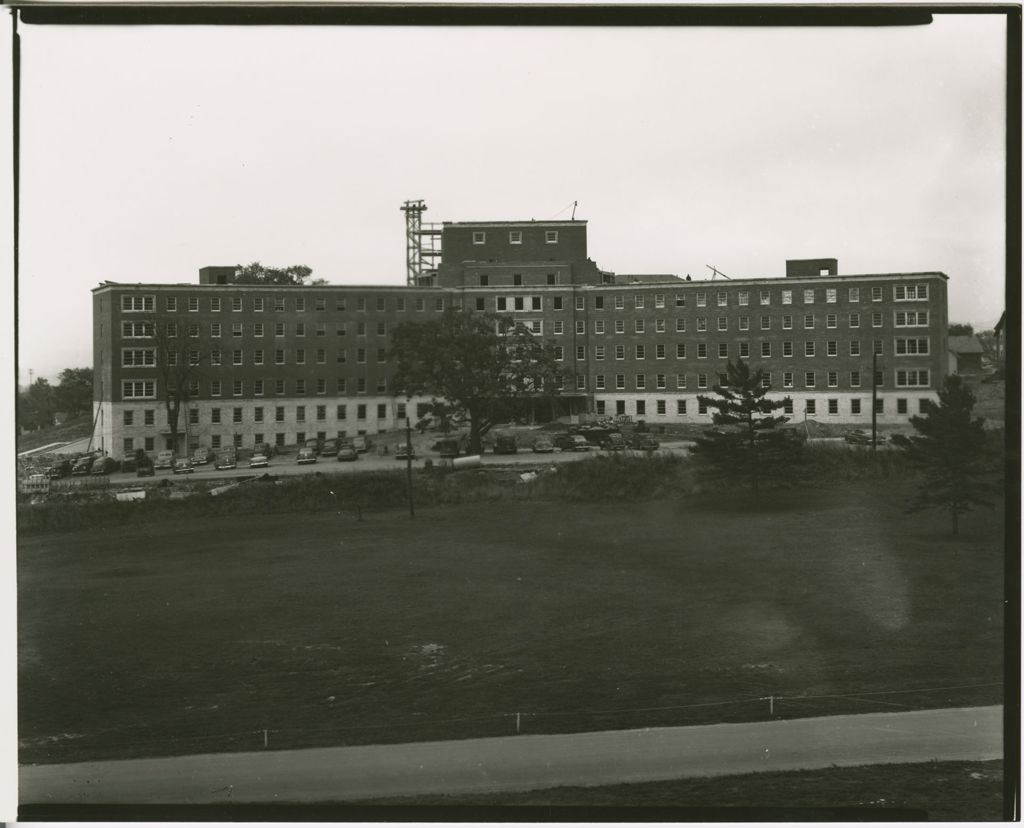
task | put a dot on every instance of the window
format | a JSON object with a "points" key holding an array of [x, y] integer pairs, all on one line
{"points": [[723, 323], [598, 303], [766, 323], [382, 355], [236, 415], [599, 326], [257, 304], [744, 349], [854, 347], [910, 319], [680, 406], [641, 384], [641, 352], [479, 237], [787, 348], [659, 351], [811, 407], [702, 350], [809, 297], [300, 328], [236, 357], [912, 347], [833, 406], [915, 378], [136, 330], [702, 299], [766, 349], [766, 380], [599, 382], [855, 406], [833, 381], [744, 323], [901, 406], [680, 300], [876, 320], [831, 320], [360, 355], [809, 349], [702, 407], [620, 326], [702, 323], [215, 416], [193, 304], [279, 386], [620, 351], [257, 388], [581, 352], [638, 301], [620, 382], [808, 321], [421, 303], [879, 406], [879, 379], [137, 357], [559, 326], [439, 304], [659, 300], [279, 329], [620, 302], [876, 294], [722, 299], [702, 380], [680, 380], [300, 413], [877, 347], [680, 326], [279, 356], [723, 350], [214, 388], [279, 304], [787, 322], [809, 379], [638, 325], [832, 348], [321, 356], [340, 355], [855, 297], [787, 297], [581, 382], [854, 379], [787, 379], [551, 237], [193, 331], [910, 293], [581, 327], [744, 297], [517, 279], [340, 385]]}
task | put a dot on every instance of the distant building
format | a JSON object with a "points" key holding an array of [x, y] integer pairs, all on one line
{"points": [[965, 355], [282, 364]]}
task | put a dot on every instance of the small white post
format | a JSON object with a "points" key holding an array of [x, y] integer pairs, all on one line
{"points": [[771, 705], [264, 737], [517, 723]]}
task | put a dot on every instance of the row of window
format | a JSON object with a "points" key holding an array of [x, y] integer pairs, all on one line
{"points": [[903, 379], [515, 237], [145, 389], [146, 357], [857, 406], [742, 323], [217, 441], [725, 350], [260, 414], [722, 299]]}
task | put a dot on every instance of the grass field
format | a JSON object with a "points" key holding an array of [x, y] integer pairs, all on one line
{"points": [[196, 635], [940, 791]]}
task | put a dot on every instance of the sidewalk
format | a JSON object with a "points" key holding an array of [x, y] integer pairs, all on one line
{"points": [[523, 762]]}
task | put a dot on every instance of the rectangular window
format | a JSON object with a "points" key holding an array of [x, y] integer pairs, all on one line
{"points": [[581, 327], [702, 323], [340, 385], [599, 382], [236, 415], [638, 301], [787, 322], [854, 379], [171, 304], [702, 407], [876, 320], [809, 379], [680, 326], [832, 348], [279, 356], [809, 297], [811, 407], [766, 349], [138, 357], [855, 406], [787, 348], [680, 300], [702, 299], [723, 323], [854, 295], [620, 302], [744, 349], [722, 299], [659, 406], [599, 326], [744, 323], [236, 357], [439, 304], [901, 406], [910, 293], [787, 379], [787, 297], [193, 304], [641, 382], [620, 326], [638, 325], [831, 320], [808, 321], [766, 323], [559, 353], [551, 237], [579, 303], [809, 349], [833, 380], [877, 347], [321, 386], [515, 237], [214, 388], [236, 388], [659, 351], [913, 378], [766, 297], [854, 320], [723, 350], [641, 352], [620, 382], [559, 326], [744, 297], [257, 388], [659, 300], [680, 406], [702, 380], [681, 381], [680, 350], [300, 413], [876, 294], [581, 352], [136, 330], [620, 351], [702, 350], [854, 347], [279, 386], [215, 416], [830, 297], [766, 379], [479, 237], [912, 347]]}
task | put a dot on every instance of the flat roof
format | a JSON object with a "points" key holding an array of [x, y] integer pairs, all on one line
{"points": [[517, 223]]}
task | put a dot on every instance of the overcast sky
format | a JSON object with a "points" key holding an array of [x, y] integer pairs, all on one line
{"points": [[149, 152]]}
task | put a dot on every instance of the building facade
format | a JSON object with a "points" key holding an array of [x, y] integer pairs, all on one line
{"points": [[282, 364]]}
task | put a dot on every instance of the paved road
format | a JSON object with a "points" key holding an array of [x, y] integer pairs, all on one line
{"points": [[523, 762]]}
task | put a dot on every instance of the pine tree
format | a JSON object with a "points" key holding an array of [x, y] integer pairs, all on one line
{"points": [[745, 445], [951, 453]]}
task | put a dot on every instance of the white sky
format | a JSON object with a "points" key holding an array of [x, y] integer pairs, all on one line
{"points": [[149, 152]]}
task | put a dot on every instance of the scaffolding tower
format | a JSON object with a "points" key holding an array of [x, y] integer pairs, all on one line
{"points": [[422, 242]]}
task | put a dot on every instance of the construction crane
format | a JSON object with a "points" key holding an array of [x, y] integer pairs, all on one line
{"points": [[422, 241], [716, 272]]}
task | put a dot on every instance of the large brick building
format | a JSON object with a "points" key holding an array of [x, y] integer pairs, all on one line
{"points": [[286, 363]]}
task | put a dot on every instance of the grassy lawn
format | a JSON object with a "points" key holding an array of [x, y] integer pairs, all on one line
{"points": [[195, 635], [941, 791]]}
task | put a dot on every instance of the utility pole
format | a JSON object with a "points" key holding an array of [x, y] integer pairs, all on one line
{"points": [[408, 458], [874, 399]]}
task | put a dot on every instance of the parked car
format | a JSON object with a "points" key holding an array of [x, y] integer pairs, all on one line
{"points": [[226, 459], [858, 437], [164, 459], [346, 451], [144, 467], [505, 445], [202, 456], [572, 442], [306, 455], [404, 452], [259, 461], [313, 443], [644, 442], [613, 442], [447, 448], [60, 469], [83, 465], [542, 445], [330, 447], [265, 449], [104, 465], [360, 443], [182, 465]]}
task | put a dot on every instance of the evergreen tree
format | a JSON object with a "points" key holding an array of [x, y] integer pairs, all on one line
{"points": [[951, 453], [745, 445]]}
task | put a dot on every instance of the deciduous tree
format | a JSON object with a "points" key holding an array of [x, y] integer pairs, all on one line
{"points": [[745, 445], [179, 362], [258, 274], [73, 393], [951, 453], [481, 363]]}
